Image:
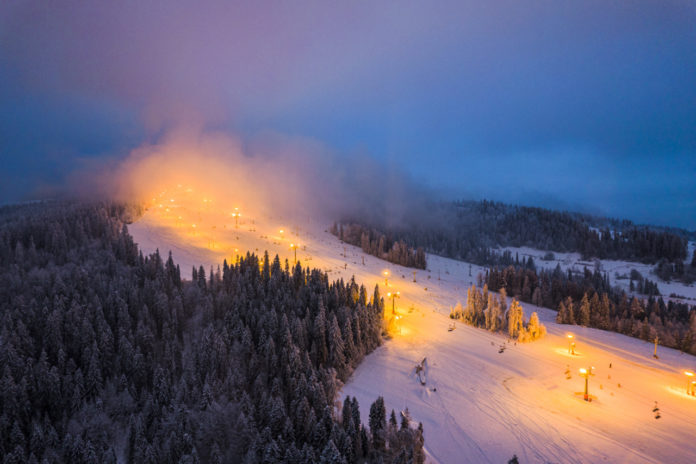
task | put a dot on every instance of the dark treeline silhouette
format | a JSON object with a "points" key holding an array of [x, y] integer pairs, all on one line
{"points": [[380, 245], [641, 284], [678, 270], [471, 230], [588, 299], [109, 356]]}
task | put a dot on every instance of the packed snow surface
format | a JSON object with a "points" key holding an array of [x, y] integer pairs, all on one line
{"points": [[478, 404]]}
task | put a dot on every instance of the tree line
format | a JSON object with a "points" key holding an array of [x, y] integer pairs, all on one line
{"points": [[588, 299], [109, 356], [472, 230], [380, 245]]}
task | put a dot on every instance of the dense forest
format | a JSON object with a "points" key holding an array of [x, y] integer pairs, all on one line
{"points": [[382, 246], [588, 299], [107, 355], [470, 231]]}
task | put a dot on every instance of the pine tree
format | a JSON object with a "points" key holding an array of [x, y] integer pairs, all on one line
{"points": [[336, 347], [470, 311], [378, 423], [636, 309], [562, 315], [535, 328], [503, 308], [320, 349], [515, 319], [604, 311], [405, 419], [418, 452], [491, 313], [595, 311], [457, 312], [537, 298], [570, 310], [583, 318]]}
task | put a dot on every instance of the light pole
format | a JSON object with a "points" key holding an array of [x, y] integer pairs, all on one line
{"points": [[689, 376], [394, 296], [294, 247], [571, 343], [585, 373], [386, 275], [236, 215]]}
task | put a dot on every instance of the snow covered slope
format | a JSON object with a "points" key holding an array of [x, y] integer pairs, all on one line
{"points": [[478, 405]]}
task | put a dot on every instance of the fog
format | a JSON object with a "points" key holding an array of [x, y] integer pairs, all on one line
{"points": [[272, 174]]}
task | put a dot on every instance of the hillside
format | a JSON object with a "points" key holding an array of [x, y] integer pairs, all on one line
{"points": [[478, 405]]}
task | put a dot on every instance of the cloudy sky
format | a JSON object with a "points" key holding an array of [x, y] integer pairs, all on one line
{"points": [[586, 105]]}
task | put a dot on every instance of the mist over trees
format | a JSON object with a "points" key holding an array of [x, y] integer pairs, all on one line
{"points": [[470, 231], [107, 355]]}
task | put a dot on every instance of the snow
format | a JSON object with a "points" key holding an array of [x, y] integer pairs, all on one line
{"points": [[478, 405]]}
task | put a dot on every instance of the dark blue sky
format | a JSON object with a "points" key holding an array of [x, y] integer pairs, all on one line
{"points": [[583, 105]]}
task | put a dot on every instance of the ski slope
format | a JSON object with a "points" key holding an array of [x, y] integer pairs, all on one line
{"points": [[478, 405]]}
